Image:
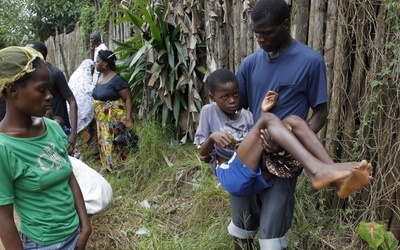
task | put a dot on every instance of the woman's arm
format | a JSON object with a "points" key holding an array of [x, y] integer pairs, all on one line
{"points": [[9, 234], [126, 96], [80, 207]]}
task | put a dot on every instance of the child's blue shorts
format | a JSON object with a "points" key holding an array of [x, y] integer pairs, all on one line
{"points": [[240, 180]]}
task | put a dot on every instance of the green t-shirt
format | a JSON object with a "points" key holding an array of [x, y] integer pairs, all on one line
{"points": [[34, 175]]}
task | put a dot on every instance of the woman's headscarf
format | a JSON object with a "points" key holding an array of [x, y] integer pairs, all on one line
{"points": [[81, 85], [15, 63]]}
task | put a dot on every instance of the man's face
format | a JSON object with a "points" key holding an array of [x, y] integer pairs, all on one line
{"points": [[270, 36], [94, 39]]}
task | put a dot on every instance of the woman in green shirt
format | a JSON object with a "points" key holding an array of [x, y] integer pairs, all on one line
{"points": [[36, 175]]}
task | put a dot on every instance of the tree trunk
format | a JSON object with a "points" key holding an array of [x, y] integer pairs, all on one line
{"points": [[337, 92], [300, 13], [329, 50], [319, 21]]}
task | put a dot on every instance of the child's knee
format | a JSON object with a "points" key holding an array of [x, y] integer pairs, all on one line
{"points": [[268, 119], [294, 121]]}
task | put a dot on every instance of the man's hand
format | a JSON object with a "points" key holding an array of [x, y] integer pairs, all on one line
{"points": [[270, 146]]}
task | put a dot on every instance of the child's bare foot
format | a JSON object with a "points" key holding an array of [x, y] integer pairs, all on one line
{"points": [[333, 172], [269, 101], [359, 179]]}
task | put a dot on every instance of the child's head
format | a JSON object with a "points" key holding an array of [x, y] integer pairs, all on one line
{"points": [[59, 120], [224, 90], [220, 77]]}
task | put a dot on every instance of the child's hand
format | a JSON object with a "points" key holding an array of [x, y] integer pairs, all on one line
{"points": [[270, 99], [223, 139], [204, 158]]}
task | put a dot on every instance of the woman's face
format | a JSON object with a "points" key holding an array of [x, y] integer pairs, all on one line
{"points": [[34, 97], [100, 64]]}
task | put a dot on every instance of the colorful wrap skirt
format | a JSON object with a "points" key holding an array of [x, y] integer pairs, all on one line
{"points": [[108, 115]]}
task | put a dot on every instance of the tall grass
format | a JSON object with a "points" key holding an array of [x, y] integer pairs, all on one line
{"points": [[188, 211]]}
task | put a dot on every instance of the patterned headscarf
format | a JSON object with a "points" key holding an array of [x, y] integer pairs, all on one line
{"points": [[15, 63]]}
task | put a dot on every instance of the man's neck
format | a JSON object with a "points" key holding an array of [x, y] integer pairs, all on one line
{"points": [[285, 45]]}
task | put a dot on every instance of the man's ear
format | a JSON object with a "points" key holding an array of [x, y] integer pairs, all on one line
{"points": [[286, 24]]}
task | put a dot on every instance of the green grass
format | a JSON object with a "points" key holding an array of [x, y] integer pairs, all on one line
{"points": [[188, 211]]}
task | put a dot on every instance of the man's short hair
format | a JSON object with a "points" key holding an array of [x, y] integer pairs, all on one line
{"points": [[275, 11], [38, 46], [95, 36]]}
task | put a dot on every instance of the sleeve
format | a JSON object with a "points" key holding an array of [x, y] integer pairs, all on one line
{"points": [[203, 130], [8, 162], [62, 85], [120, 83], [317, 92]]}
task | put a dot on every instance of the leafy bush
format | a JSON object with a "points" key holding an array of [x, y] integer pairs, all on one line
{"points": [[377, 236], [161, 67]]}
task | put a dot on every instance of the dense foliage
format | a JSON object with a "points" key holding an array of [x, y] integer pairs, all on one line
{"points": [[23, 20], [161, 67]]}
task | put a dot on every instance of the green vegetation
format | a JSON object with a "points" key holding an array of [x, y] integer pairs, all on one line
{"points": [[164, 79], [92, 19], [188, 211], [377, 236], [24, 20]]}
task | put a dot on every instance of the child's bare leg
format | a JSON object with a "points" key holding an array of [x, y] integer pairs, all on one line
{"points": [[308, 138], [357, 180], [321, 173], [270, 99], [251, 148]]}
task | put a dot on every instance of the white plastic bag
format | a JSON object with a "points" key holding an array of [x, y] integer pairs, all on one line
{"points": [[96, 191]]}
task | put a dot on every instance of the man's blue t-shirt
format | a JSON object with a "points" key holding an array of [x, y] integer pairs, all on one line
{"points": [[298, 75]]}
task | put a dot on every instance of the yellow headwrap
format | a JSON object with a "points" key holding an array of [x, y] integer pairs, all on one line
{"points": [[15, 63]]}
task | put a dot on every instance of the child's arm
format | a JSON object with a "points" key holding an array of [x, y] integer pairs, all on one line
{"points": [[223, 139]]}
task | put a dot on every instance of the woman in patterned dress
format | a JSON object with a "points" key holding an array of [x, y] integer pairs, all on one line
{"points": [[112, 106]]}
